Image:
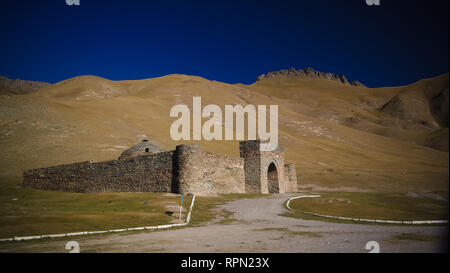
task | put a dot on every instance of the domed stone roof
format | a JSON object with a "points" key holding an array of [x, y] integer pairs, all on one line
{"points": [[142, 148]]}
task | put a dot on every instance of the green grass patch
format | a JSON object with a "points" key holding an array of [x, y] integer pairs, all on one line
{"points": [[414, 237], [305, 233], [226, 217], [293, 233], [316, 218], [385, 206], [26, 212], [29, 212], [272, 229]]}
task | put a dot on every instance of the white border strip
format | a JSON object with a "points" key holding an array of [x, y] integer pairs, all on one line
{"points": [[26, 238], [411, 222]]}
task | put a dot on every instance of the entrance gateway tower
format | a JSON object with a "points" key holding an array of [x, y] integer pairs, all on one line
{"points": [[265, 171]]}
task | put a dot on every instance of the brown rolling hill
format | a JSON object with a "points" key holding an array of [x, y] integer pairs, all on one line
{"points": [[340, 136]]}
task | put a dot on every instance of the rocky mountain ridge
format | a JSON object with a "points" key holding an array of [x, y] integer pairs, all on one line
{"points": [[309, 72], [18, 86]]}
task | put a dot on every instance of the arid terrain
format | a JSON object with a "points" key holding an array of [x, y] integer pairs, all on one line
{"points": [[340, 136]]}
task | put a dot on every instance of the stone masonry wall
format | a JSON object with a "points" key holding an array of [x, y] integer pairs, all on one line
{"points": [[250, 151], [136, 174], [204, 173], [290, 178], [188, 169]]}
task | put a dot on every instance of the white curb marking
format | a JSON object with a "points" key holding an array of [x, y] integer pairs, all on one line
{"points": [[423, 222]]}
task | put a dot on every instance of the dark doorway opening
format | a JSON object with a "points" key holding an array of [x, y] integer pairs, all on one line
{"points": [[272, 179]]}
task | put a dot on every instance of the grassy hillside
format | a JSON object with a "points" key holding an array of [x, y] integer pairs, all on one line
{"points": [[25, 212], [339, 136], [381, 206]]}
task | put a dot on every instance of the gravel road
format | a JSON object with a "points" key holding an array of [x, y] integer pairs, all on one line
{"points": [[258, 228]]}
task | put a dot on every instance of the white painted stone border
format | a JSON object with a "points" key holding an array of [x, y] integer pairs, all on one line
{"points": [[25, 238], [411, 222]]}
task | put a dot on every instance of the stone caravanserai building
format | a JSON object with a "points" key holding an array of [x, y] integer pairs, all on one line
{"points": [[187, 169]]}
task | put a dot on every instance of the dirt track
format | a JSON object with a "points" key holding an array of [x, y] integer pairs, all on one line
{"points": [[258, 228]]}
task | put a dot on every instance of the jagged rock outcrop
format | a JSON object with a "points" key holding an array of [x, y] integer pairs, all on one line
{"points": [[439, 105], [309, 72], [357, 83], [18, 86]]}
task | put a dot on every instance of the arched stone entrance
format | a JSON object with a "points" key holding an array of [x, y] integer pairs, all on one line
{"points": [[272, 178]]}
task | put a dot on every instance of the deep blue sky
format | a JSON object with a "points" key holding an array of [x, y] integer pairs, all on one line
{"points": [[396, 43]]}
